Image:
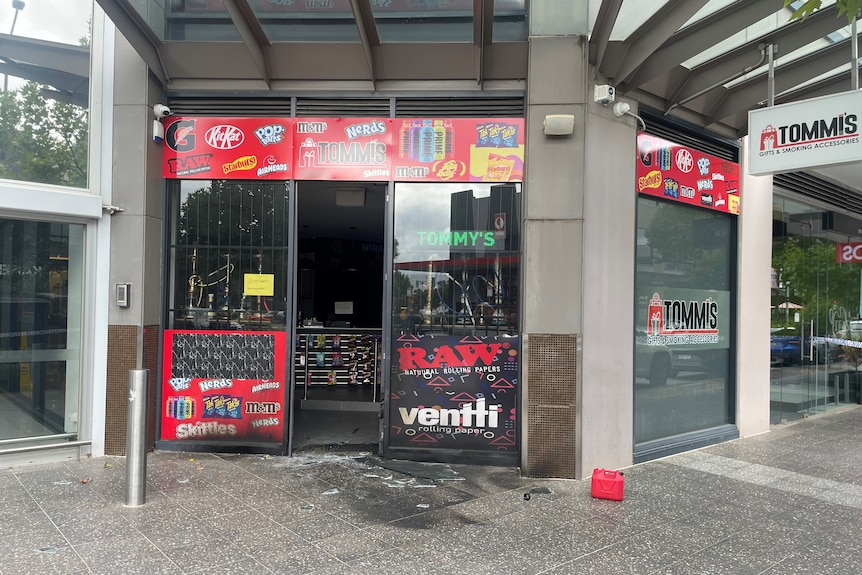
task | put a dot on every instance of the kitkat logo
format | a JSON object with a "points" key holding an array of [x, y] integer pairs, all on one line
{"points": [[224, 137], [848, 253]]}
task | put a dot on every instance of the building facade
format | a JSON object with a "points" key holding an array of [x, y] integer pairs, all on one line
{"points": [[627, 325]]}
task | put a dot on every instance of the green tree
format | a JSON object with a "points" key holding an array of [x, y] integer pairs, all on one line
{"points": [[818, 282], [41, 140], [849, 8]]}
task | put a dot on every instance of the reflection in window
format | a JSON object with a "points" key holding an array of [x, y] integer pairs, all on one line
{"points": [[456, 259], [40, 318], [224, 231], [43, 108]]}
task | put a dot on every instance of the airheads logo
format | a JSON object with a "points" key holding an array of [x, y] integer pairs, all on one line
{"points": [[671, 317], [810, 134]]}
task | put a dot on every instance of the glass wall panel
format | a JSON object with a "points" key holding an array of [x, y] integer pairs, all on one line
{"points": [[510, 20], [44, 117], [684, 314], [40, 317], [282, 21], [455, 317], [405, 21], [815, 339], [225, 230]]}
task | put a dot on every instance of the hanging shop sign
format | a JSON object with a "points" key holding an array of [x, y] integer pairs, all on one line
{"points": [[224, 387], [674, 172], [354, 149], [228, 148], [455, 392], [808, 134]]}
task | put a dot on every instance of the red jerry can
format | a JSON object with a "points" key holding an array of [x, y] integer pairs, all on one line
{"points": [[607, 484]]}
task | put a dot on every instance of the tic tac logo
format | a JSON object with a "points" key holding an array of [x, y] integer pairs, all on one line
{"points": [[224, 137], [679, 317]]}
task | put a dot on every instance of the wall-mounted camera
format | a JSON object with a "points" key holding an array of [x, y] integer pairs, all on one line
{"points": [[603, 94], [161, 111]]}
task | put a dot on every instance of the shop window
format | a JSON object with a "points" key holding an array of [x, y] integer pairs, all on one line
{"points": [[455, 317], [229, 247], [684, 320]]}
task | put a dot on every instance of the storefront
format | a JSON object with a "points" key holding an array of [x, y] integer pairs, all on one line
{"points": [[685, 307], [815, 325], [343, 269]]}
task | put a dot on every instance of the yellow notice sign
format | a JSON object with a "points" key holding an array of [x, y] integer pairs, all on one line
{"points": [[259, 284]]}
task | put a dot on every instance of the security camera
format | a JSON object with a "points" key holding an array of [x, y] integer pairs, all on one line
{"points": [[603, 94], [161, 111]]}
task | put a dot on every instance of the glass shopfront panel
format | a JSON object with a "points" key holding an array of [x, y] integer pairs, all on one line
{"points": [[816, 330], [455, 357], [683, 379], [225, 361], [41, 275]]}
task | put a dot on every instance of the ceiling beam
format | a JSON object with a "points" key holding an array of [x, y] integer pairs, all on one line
{"points": [[652, 34], [728, 66], [136, 31], [604, 25], [252, 34], [748, 94], [691, 40], [368, 35]]}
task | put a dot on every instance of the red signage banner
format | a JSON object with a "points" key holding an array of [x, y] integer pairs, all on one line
{"points": [[342, 149], [848, 253], [460, 150], [224, 386], [228, 148], [686, 175]]}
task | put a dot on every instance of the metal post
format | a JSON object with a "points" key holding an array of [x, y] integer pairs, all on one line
{"points": [[854, 51], [136, 439]]}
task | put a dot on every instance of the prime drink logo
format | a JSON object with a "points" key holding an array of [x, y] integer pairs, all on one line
{"points": [[673, 321], [821, 133]]}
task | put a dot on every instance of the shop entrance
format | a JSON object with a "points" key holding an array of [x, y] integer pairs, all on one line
{"points": [[338, 347]]}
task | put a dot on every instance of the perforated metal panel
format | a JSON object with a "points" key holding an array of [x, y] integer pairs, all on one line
{"points": [[551, 403]]}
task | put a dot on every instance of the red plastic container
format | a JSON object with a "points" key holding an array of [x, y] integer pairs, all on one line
{"points": [[607, 484]]}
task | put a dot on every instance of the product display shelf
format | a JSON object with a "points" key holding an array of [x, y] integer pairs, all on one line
{"points": [[336, 358]]}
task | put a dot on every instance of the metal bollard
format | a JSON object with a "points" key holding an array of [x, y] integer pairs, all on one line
{"points": [[136, 439]]}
